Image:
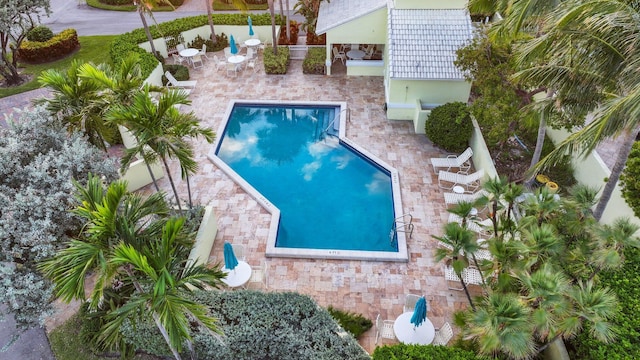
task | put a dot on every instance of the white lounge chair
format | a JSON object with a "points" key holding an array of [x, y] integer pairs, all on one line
{"points": [[471, 276], [455, 198], [339, 55], [461, 161], [180, 84], [447, 180], [481, 227]]}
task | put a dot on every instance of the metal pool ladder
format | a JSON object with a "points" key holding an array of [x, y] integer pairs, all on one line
{"points": [[403, 223]]}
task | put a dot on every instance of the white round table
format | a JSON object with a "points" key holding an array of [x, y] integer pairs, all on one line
{"points": [[236, 59], [252, 42], [238, 276], [458, 189], [189, 52], [408, 333], [355, 54]]}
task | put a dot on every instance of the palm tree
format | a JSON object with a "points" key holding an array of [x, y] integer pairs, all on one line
{"points": [[273, 26], [459, 242], [611, 242], [162, 278], [77, 103], [238, 4], [501, 324], [144, 7], [588, 48], [163, 129], [128, 241]]}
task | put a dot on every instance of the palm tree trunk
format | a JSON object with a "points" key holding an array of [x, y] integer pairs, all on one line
{"points": [[173, 186], [621, 161], [210, 18], [156, 318], [146, 29], [466, 291], [189, 191], [153, 178], [475, 262], [288, 22], [273, 27]]}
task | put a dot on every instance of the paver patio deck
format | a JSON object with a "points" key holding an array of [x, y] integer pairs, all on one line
{"points": [[359, 286]]}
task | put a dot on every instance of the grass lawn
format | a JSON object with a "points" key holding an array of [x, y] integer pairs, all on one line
{"points": [[67, 345], [219, 5], [92, 49]]}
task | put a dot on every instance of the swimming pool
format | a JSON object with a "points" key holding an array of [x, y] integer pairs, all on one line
{"points": [[328, 197]]}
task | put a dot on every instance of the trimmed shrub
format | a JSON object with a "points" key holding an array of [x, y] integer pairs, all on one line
{"points": [[117, 2], [314, 61], [55, 48], [355, 324], [423, 352], [40, 33], [259, 325], [630, 179], [276, 64], [449, 126], [199, 41], [180, 72]]}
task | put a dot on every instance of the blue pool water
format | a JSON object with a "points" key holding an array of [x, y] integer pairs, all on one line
{"points": [[329, 196]]}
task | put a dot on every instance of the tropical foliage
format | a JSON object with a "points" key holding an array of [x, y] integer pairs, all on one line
{"points": [[423, 352], [630, 179], [355, 324], [540, 282], [259, 325], [139, 253], [39, 160]]}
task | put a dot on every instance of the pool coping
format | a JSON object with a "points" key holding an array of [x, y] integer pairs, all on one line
{"points": [[272, 250]]}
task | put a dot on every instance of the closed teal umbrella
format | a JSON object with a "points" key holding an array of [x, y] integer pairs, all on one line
{"points": [[232, 44], [420, 312], [230, 260], [250, 26]]}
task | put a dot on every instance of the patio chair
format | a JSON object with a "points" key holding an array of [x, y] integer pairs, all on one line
{"points": [[368, 54], [339, 55], [196, 61], [238, 249], [179, 84], [258, 276], [384, 329], [227, 52], [250, 53], [461, 161], [232, 69], [180, 47], [410, 301], [177, 59], [443, 335], [220, 64], [203, 51], [447, 180], [251, 64]]}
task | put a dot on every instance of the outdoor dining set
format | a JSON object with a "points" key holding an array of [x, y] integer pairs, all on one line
{"points": [[413, 326], [239, 272]]}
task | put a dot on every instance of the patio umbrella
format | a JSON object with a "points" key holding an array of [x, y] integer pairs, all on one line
{"points": [[420, 312], [250, 26], [232, 44], [230, 260]]}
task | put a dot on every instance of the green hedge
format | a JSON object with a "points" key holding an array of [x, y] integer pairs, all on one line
{"points": [[128, 42], [449, 126], [625, 282], [276, 64], [314, 61], [355, 324], [55, 48], [423, 352], [259, 325]]}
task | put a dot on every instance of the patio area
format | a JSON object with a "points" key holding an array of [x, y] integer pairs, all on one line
{"points": [[364, 287]]}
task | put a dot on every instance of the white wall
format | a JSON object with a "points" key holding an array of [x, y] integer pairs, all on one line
{"points": [[592, 171]]}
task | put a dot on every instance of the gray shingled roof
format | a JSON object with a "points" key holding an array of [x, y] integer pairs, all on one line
{"points": [[423, 43], [338, 12]]}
